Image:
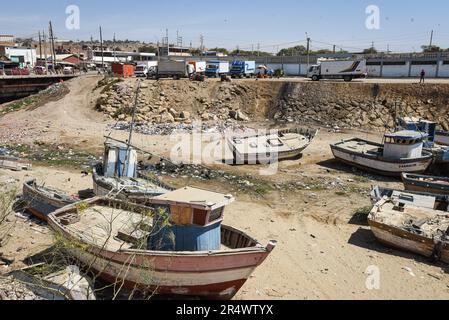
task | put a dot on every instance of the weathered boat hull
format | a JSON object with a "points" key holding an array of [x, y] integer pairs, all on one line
{"points": [[267, 158], [38, 203], [206, 274], [102, 189], [406, 241], [442, 138], [381, 166], [14, 164], [413, 184]]}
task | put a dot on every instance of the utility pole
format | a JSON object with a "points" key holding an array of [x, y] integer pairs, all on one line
{"points": [[308, 52], [102, 51], [168, 43], [52, 39], [334, 49], [258, 49], [202, 44], [431, 40], [40, 45], [45, 50], [113, 46]]}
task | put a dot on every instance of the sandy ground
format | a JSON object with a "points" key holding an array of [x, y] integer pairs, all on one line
{"points": [[322, 252]]}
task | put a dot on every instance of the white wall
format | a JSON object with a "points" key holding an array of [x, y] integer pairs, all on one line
{"points": [[28, 54], [444, 70], [430, 70], [396, 71]]}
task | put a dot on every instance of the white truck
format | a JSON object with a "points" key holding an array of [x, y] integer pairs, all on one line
{"points": [[174, 69], [338, 69], [199, 66], [143, 69]]}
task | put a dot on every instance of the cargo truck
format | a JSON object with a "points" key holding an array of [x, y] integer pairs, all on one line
{"points": [[144, 69], [338, 69], [174, 69], [241, 69], [199, 67], [217, 68]]}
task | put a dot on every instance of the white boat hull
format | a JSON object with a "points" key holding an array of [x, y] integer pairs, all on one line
{"points": [[382, 167]]}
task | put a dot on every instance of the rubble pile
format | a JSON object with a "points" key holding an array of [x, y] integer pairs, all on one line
{"points": [[368, 106], [163, 129], [11, 289], [156, 103], [358, 105]]}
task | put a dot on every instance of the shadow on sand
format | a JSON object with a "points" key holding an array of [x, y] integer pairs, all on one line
{"points": [[334, 164]]}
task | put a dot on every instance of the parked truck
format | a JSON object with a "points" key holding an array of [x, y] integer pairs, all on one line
{"points": [[174, 69], [199, 67], [241, 69], [338, 69], [217, 68], [145, 68]]}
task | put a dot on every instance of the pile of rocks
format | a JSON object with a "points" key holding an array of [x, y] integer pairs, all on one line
{"points": [[184, 103], [11, 289], [357, 106]]}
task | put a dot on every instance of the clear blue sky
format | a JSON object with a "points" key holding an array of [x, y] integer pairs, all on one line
{"points": [[405, 25]]}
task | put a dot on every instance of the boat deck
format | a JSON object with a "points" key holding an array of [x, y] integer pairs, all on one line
{"points": [[424, 221], [100, 225], [359, 146], [133, 185], [103, 225], [272, 143]]}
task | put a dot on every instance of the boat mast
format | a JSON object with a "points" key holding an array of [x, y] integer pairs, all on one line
{"points": [[131, 129]]}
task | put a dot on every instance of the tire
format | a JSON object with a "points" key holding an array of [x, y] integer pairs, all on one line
{"points": [[315, 78], [347, 78]]}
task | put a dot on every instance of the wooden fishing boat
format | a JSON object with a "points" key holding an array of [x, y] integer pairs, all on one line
{"points": [[139, 253], [429, 184], [41, 200], [401, 152], [15, 164], [271, 147], [412, 222], [117, 176], [442, 138]]}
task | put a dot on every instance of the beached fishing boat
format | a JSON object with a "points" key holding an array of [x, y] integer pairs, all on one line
{"points": [[442, 138], [435, 141], [15, 164], [41, 200], [271, 147], [429, 184], [117, 176], [192, 255], [413, 222], [401, 152]]}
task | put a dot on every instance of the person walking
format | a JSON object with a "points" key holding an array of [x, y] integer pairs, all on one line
{"points": [[423, 76]]}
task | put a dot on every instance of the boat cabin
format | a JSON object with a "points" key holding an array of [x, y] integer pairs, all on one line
{"points": [[120, 160], [188, 219], [404, 144]]}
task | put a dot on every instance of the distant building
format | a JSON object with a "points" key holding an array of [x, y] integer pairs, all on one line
{"points": [[174, 51], [119, 56], [214, 54], [21, 55], [7, 40]]}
